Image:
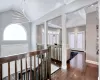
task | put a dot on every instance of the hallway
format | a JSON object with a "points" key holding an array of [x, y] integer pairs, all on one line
{"points": [[77, 70], [90, 73]]}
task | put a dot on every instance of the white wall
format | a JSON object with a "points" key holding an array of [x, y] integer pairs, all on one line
{"points": [[91, 36], [39, 33], [13, 47], [33, 37]]}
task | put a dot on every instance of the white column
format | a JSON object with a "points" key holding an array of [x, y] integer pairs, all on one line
{"points": [[64, 42], [99, 38], [45, 34], [33, 37]]}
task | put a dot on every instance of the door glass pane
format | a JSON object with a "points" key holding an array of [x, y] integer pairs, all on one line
{"points": [[71, 40], [80, 40]]}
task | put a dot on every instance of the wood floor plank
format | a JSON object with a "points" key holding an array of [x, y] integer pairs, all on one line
{"points": [[77, 72]]}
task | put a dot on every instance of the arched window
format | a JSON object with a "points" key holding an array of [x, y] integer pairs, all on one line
{"points": [[14, 32]]}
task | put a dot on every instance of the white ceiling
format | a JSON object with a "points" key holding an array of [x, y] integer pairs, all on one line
{"points": [[77, 18], [56, 21], [74, 19], [33, 9], [5, 5]]}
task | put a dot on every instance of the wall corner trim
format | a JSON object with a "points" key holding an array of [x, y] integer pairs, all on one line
{"points": [[92, 62]]}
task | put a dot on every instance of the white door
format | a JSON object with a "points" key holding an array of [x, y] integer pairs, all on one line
{"points": [[80, 41], [71, 40]]}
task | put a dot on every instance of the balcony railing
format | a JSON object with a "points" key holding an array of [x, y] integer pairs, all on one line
{"points": [[28, 66]]}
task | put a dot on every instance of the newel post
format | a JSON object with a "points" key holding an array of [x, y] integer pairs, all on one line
{"points": [[49, 63], [0, 71]]}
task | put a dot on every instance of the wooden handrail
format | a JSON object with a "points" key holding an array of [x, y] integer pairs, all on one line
{"points": [[40, 61], [21, 56]]}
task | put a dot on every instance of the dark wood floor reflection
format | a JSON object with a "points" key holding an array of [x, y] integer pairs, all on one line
{"points": [[77, 71], [90, 73]]}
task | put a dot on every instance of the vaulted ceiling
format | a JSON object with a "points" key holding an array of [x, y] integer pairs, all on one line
{"points": [[34, 9], [77, 18]]}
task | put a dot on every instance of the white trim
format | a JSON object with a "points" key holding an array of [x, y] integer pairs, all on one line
{"points": [[63, 67], [92, 62], [58, 11], [54, 26]]}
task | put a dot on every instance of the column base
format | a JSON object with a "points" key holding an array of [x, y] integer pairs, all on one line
{"points": [[64, 67]]}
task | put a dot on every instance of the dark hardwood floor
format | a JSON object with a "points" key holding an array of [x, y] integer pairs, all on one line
{"points": [[90, 73], [77, 71]]}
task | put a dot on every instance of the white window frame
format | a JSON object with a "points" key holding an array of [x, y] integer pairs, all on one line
{"points": [[75, 40]]}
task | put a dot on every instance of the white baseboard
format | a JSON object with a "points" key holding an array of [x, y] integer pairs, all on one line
{"points": [[63, 67], [92, 62]]}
